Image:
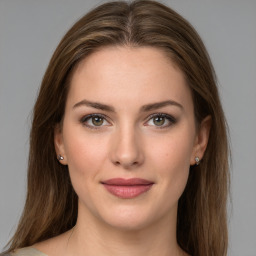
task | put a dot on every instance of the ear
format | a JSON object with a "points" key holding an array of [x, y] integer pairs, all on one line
{"points": [[201, 139], [59, 144]]}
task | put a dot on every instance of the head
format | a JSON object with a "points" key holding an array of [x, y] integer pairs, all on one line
{"points": [[201, 221]]}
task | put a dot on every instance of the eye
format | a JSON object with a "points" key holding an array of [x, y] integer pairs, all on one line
{"points": [[161, 120], [94, 121]]}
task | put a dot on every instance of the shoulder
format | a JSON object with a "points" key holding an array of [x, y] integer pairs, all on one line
{"points": [[27, 251], [52, 246]]}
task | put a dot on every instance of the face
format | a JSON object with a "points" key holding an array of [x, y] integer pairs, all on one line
{"points": [[129, 136]]}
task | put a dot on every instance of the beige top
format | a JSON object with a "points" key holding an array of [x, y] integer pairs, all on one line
{"points": [[27, 251]]}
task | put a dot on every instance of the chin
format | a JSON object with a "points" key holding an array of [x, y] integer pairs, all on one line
{"points": [[132, 218]]}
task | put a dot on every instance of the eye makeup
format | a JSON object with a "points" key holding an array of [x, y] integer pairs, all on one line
{"points": [[161, 120], [94, 121], [157, 120]]}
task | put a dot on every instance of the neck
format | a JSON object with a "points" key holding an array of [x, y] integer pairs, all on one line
{"points": [[92, 237]]}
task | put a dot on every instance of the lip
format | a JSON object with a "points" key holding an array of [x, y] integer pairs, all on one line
{"points": [[127, 188]]}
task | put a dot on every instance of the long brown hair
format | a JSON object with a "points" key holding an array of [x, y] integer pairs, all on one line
{"points": [[51, 204]]}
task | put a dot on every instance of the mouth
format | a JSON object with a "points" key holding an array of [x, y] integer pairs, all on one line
{"points": [[127, 188]]}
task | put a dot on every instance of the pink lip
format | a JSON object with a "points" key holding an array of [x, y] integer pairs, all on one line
{"points": [[127, 188]]}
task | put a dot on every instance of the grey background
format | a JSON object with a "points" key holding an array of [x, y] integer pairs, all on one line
{"points": [[29, 32]]}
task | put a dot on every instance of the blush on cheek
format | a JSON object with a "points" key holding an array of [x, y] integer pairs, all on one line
{"points": [[177, 161], [84, 157]]}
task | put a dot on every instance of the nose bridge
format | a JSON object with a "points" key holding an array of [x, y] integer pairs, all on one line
{"points": [[127, 149]]}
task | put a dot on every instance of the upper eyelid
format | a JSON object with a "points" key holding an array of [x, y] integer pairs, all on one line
{"points": [[171, 117], [87, 117], [93, 115], [161, 114]]}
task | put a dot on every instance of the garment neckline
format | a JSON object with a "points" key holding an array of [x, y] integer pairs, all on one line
{"points": [[41, 253]]}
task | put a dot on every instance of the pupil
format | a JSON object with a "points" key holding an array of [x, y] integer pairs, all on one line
{"points": [[97, 121], [159, 121]]}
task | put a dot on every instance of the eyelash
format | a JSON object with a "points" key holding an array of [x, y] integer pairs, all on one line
{"points": [[85, 119], [171, 120]]}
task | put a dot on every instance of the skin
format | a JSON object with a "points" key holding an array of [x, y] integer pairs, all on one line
{"points": [[127, 142]]}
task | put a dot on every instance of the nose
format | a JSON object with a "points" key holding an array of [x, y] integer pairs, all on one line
{"points": [[127, 149]]}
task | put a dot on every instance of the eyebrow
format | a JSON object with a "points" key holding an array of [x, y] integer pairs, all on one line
{"points": [[94, 105], [145, 108], [161, 104]]}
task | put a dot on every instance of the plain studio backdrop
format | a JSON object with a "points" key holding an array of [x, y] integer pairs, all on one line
{"points": [[30, 31]]}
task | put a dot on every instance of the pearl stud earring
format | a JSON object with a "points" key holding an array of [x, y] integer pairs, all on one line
{"points": [[59, 157]]}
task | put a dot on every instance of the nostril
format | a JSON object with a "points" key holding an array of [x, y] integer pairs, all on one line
{"points": [[126, 152], [117, 163], [126, 164]]}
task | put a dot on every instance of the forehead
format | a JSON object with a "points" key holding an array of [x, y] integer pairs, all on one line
{"points": [[129, 59], [131, 74]]}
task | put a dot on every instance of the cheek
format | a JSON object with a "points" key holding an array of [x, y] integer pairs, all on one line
{"points": [[86, 156], [171, 158], [173, 150], [176, 166], [85, 153], [177, 154]]}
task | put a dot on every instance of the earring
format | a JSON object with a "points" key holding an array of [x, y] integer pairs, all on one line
{"points": [[59, 157], [197, 160]]}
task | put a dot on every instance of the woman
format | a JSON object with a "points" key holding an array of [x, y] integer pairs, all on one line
{"points": [[128, 146]]}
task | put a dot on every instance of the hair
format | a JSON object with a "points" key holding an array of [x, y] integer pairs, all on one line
{"points": [[51, 203]]}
